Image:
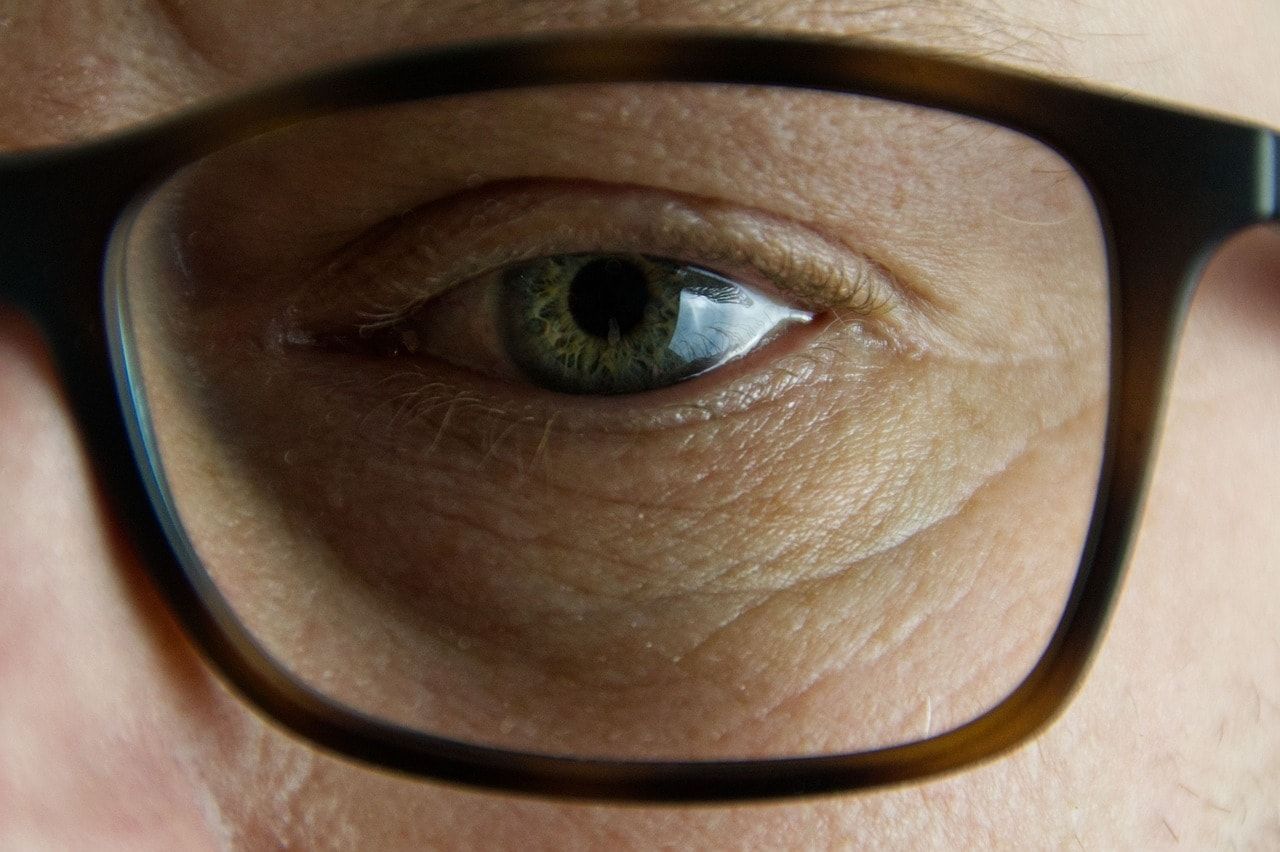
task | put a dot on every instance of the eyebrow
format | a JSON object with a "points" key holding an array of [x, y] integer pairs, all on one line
{"points": [[982, 28], [972, 27]]}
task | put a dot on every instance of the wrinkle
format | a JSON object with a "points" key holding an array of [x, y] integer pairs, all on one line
{"points": [[276, 42], [874, 645], [90, 68], [171, 15]]}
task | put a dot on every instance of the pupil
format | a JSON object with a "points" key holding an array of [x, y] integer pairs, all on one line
{"points": [[611, 291]]}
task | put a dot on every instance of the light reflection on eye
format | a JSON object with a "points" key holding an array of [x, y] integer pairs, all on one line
{"points": [[596, 323]]}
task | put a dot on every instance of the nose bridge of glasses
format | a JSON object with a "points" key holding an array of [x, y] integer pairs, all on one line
{"points": [[56, 209], [20, 237]]}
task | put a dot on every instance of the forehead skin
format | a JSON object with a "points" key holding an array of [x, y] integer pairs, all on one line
{"points": [[1174, 736], [104, 64]]}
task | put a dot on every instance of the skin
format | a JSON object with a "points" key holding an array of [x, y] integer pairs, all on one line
{"points": [[114, 731]]}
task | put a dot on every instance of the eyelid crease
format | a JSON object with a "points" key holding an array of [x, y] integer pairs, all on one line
{"points": [[400, 264]]}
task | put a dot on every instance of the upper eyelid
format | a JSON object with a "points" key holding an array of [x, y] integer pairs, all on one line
{"points": [[802, 264]]}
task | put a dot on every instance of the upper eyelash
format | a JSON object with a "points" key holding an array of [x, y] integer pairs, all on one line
{"points": [[869, 288]]}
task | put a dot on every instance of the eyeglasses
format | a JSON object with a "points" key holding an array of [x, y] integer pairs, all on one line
{"points": [[660, 417]]}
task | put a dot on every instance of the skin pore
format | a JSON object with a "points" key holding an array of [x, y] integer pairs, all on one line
{"points": [[115, 730]]}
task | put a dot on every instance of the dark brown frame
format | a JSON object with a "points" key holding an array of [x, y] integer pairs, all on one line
{"points": [[1169, 187]]}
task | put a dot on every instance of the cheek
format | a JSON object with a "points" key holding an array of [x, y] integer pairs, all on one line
{"points": [[104, 706]]}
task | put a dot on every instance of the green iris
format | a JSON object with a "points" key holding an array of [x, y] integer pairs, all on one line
{"points": [[612, 324]]}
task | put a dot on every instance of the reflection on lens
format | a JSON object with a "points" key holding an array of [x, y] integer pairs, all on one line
{"points": [[632, 421]]}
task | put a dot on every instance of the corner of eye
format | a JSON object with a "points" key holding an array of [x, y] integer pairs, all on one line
{"points": [[287, 331], [295, 338]]}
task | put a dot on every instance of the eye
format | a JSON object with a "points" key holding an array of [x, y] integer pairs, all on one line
{"points": [[590, 323]]}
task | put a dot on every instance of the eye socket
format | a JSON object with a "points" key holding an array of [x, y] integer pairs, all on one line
{"points": [[590, 323]]}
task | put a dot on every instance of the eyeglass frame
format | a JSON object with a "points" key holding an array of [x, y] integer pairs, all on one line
{"points": [[1169, 186]]}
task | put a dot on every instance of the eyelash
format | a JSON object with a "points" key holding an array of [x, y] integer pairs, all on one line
{"points": [[391, 267], [382, 278]]}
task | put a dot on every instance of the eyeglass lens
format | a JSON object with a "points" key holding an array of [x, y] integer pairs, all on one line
{"points": [[638, 421]]}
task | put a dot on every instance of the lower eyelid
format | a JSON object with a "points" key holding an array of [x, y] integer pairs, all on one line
{"points": [[804, 358]]}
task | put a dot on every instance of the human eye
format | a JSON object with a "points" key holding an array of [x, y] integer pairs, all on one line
{"points": [[591, 323], [599, 290], [632, 420]]}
